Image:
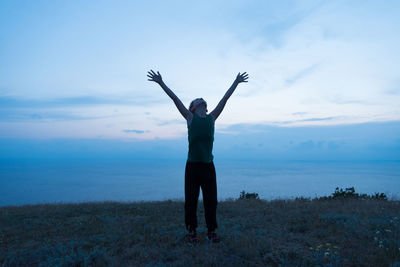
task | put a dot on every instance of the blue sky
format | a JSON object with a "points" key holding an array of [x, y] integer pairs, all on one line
{"points": [[77, 69]]}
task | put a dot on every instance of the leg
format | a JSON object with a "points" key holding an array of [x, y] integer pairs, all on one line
{"points": [[209, 189], [192, 190]]}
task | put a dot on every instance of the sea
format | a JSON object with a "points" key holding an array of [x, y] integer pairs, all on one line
{"points": [[25, 182]]}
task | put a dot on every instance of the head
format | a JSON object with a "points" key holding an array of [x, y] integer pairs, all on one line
{"points": [[198, 102]]}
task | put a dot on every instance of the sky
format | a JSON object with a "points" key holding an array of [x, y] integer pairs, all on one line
{"points": [[76, 70]]}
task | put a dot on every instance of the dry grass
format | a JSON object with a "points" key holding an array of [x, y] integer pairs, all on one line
{"points": [[301, 232]]}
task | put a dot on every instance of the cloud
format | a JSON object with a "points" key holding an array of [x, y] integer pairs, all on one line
{"points": [[254, 127], [163, 122], [394, 87], [318, 119], [299, 113], [301, 74], [135, 131], [367, 141], [19, 109], [20, 116], [271, 20], [40, 114], [337, 99], [333, 142], [20, 102]]}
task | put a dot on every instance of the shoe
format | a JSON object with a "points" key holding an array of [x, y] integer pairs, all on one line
{"points": [[193, 237], [213, 237]]}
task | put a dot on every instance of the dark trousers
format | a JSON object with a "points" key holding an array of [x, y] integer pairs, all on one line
{"points": [[199, 174]]}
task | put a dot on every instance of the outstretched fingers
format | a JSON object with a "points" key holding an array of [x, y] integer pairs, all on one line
{"points": [[155, 77], [151, 76], [242, 77]]}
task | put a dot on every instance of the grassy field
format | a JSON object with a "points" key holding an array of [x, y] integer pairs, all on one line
{"points": [[301, 232]]}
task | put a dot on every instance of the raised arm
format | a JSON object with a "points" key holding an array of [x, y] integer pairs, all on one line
{"points": [[178, 103], [239, 79]]}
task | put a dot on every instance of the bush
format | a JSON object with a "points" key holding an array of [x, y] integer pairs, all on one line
{"points": [[244, 195], [350, 193]]}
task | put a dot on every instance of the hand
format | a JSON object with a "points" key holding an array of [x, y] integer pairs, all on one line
{"points": [[242, 78], [154, 77]]}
